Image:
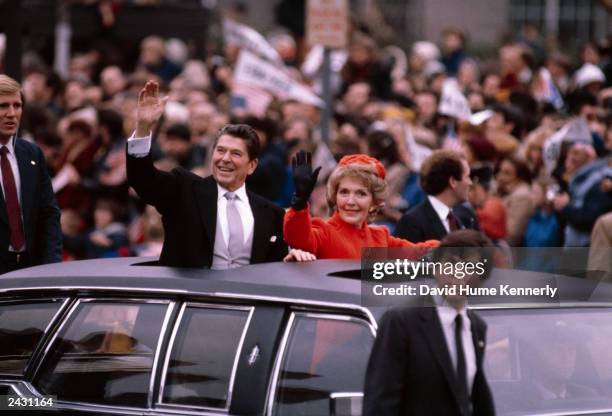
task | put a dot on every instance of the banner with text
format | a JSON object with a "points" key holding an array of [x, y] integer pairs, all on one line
{"points": [[254, 71]]}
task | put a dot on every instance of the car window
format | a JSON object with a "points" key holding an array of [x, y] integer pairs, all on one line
{"points": [[104, 353], [203, 357], [549, 360], [324, 354], [21, 327]]}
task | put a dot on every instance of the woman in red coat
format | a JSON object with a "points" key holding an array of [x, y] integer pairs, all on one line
{"points": [[356, 190]]}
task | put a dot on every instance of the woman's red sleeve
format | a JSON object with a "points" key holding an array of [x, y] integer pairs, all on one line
{"points": [[300, 231]]}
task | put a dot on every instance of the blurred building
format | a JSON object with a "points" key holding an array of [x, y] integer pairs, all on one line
{"points": [[571, 22], [487, 21]]}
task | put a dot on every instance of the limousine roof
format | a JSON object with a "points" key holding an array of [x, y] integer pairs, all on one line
{"points": [[309, 281], [335, 281]]}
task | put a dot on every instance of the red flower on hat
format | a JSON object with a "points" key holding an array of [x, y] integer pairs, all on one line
{"points": [[364, 160]]}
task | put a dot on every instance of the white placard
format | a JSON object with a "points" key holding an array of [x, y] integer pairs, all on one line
{"points": [[327, 23], [453, 103], [249, 39], [254, 71], [576, 130]]}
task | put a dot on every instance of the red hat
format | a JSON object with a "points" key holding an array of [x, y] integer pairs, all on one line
{"points": [[364, 160]]}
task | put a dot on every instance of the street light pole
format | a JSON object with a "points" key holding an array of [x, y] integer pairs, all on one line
{"points": [[63, 32], [327, 98]]}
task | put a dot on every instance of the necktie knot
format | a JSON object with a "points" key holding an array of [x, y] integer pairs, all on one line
{"points": [[4, 150], [230, 196]]}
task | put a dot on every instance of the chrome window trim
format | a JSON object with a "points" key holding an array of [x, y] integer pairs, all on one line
{"points": [[341, 395], [237, 356], [51, 342], [334, 305], [204, 305], [160, 340], [105, 288], [91, 407], [333, 317], [33, 300], [35, 391], [164, 373], [271, 394], [123, 300], [23, 388], [119, 410], [10, 386], [64, 301], [222, 295]]}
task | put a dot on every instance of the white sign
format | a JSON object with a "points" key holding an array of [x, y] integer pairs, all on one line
{"points": [[249, 100], [249, 39], [256, 72], [576, 130], [327, 23], [453, 103]]}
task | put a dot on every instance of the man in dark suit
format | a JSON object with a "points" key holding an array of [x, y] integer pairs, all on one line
{"points": [[208, 222], [30, 232], [445, 178], [428, 360]]}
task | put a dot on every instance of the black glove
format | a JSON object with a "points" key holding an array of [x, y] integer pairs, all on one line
{"points": [[304, 179]]}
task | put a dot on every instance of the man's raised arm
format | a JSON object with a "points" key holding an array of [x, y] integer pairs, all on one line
{"points": [[153, 186]]}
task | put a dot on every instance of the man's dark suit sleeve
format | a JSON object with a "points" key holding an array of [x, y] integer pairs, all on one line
{"points": [[155, 187], [279, 248], [49, 232], [384, 383], [408, 229]]}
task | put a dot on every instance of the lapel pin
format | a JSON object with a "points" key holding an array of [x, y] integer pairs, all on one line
{"points": [[273, 239], [481, 344], [32, 162]]}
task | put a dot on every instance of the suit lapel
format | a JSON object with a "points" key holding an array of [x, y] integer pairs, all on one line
{"points": [[434, 335], [3, 213], [434, 219], [478, 337], [206, 198], [432, 328], [26, 175], [460, 214], [260, 229]]}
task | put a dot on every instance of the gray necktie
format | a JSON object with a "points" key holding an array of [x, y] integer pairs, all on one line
{"points": [[236, 237]]}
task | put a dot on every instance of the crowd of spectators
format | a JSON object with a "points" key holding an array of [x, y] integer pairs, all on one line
{"points": [[386, 104]]}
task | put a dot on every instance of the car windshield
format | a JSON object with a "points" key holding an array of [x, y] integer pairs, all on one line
{"points": [[549, 360]]}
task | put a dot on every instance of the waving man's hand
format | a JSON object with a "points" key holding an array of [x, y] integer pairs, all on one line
{"points": [[150, 108]]}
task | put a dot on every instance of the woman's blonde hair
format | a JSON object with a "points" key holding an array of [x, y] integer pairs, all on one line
{"points": [[368, 176]]}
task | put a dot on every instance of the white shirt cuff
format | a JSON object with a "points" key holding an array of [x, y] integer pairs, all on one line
{"points": [[139, 146]]}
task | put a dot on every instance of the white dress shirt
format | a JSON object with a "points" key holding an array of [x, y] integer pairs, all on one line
{"points": [[244, 209], [15, 168], [447, 317], [141, 146], [441, 209]]}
